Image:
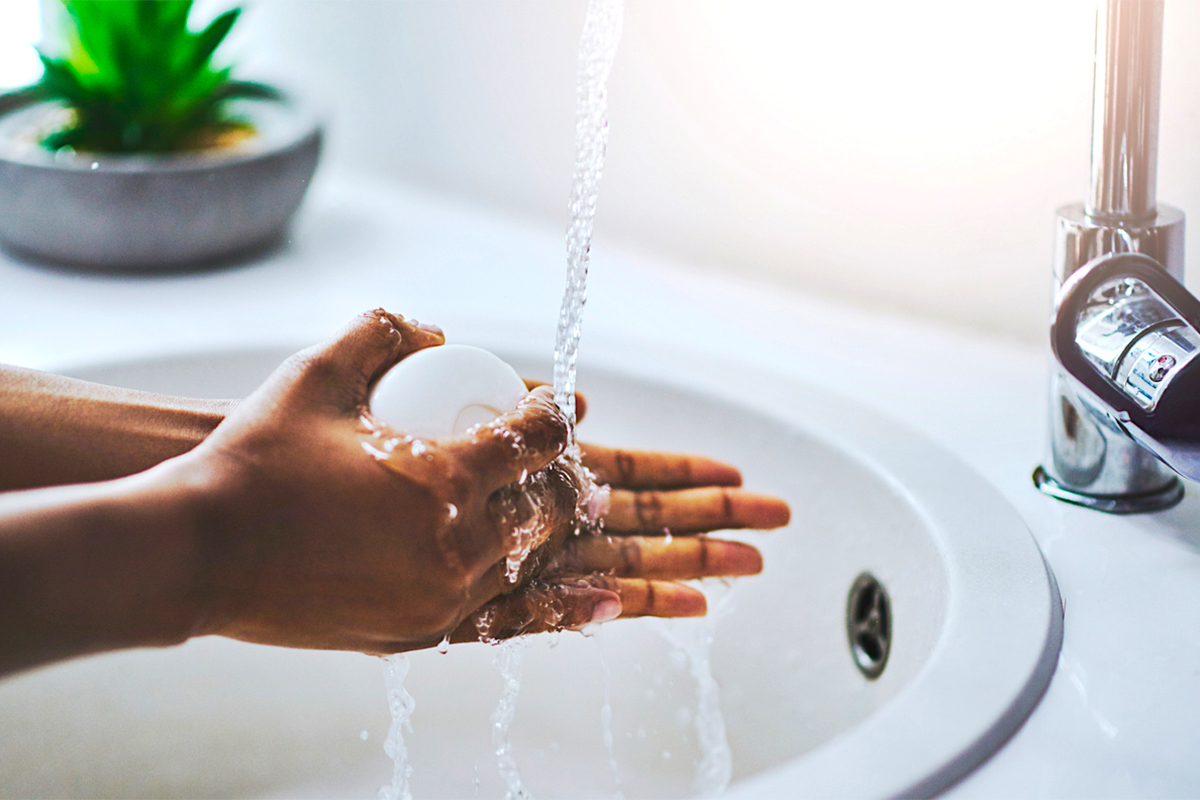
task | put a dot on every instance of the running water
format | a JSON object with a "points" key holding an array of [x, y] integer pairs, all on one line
{"points": [[509, 661], [400, 703], [597, 48], [606, 714], [693, 638]]}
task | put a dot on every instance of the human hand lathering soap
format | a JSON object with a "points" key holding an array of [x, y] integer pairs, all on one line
{"points": [[302, 520]]}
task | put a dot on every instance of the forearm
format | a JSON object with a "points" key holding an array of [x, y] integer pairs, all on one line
{"points": [[56, 430], [97, 567]]}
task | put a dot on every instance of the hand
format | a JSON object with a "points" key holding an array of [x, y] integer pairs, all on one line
{"points": [[302, 521], [660, 507], [393, 543], [326, 529], [299, 521]]}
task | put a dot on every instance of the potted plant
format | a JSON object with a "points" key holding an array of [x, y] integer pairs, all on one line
{"points": [[134, 152]]}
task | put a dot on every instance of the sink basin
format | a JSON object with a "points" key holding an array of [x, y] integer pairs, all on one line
{"points": [[976, 629]]}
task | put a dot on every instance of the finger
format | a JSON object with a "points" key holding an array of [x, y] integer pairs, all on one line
{"points": [[341, 371], [532, 519], [650, 598], [516, 444], [682, 558], [638, 469], [539, 609], [693, 511], [580, 400]]}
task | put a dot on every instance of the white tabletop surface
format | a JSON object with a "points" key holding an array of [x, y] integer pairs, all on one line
{"points": [[1122, 714]]}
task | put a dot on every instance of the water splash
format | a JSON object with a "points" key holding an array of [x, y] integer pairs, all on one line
{"points": [[692, 640], [401, 704], [510, 658], [606, 713], [597, 48]]}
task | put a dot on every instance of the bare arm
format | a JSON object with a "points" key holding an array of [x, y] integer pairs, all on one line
{"points": [[97, 567], [283, 525], [56, 430]]}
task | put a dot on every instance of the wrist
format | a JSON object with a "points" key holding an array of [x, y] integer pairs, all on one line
{"points": [[171, 508]]}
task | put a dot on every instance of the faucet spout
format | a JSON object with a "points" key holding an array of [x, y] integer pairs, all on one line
{"points": [[1091, 460], [1125, 100]]}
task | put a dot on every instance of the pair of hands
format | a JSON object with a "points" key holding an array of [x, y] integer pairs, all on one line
{"points": [[313, 536]]}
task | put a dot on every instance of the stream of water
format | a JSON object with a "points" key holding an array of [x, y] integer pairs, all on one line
{"points": [[400, 704], [692, 640], [597, 49], [510, 658]]}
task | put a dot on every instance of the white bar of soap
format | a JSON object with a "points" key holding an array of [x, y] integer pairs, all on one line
{"points": [[443, 391]]}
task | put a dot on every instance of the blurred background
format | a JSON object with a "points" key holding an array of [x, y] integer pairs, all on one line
{"points": [[899, 156]]}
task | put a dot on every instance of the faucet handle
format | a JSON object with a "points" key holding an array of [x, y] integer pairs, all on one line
{"points": [[1129, 334]]}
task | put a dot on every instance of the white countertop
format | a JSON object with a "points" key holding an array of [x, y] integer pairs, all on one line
{"points": [[1122, 714]]}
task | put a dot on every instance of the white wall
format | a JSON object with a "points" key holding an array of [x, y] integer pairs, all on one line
{"points": [[898, 155]]}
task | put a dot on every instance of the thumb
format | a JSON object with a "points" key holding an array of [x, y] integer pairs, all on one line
{"points": [[342, 370]]}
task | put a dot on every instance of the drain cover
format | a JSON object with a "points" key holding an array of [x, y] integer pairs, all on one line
{"points": [[869, 625]]}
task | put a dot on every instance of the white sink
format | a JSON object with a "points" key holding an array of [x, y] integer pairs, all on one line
{"points": [[976, 630]]}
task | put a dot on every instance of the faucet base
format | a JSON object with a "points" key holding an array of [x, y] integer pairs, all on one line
{"points": [[1139, 503]]}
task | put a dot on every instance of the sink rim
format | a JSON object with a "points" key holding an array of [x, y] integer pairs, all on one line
{"points": [[991, 696], [979, 702]]}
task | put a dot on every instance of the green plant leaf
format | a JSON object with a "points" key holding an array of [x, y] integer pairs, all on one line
{"points": [[60, 81], [137, 77], [211, 37]]}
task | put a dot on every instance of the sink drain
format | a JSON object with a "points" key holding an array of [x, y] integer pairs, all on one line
{"points": [[869, 625]]}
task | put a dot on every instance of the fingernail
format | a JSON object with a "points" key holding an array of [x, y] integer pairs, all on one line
{"points": [[606, 610], [429, 327]]}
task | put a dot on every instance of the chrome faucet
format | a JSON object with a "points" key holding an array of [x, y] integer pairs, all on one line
{"points": [[1113, 311]]}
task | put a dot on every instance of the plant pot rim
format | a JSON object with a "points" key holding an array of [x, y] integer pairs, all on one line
{"points": [[153, 212], [280, 121]]}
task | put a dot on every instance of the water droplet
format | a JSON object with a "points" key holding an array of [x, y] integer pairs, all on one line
{"points": [[95, 165], [419, 447], [451, 511], [444, 645], [364, 735], [374, 452]]}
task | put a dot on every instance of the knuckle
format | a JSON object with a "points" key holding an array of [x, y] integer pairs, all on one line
{"points": [[543, 424], [381, 328], [459, 481]]}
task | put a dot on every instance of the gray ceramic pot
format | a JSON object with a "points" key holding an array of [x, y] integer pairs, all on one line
{"points": [[150, 213]]}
